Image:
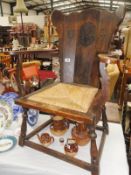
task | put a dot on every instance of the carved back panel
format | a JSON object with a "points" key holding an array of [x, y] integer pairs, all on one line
{"points": [[81, 37]]}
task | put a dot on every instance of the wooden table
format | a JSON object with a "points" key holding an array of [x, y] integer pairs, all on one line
{"points": [[43, 52], [33, 54]]}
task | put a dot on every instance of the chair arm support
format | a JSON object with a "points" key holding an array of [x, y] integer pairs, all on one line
{"points": [[105, 81]]}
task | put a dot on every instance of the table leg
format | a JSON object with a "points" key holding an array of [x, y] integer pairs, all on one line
{"points": [[124, 113], [94, 152], [122, 90], [23, 128], [19, 75]]}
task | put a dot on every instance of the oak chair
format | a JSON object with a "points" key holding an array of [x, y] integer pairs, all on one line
{"points": [[81, 95]]}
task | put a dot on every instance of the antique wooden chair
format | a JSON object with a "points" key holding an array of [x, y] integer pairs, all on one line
{"points": [[82, 92]]}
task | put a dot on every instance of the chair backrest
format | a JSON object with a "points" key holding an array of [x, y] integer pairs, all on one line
{"points": [[81, 37]]}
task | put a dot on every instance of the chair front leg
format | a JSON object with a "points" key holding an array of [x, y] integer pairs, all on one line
{"points": [[104, 120], [23, 128]]}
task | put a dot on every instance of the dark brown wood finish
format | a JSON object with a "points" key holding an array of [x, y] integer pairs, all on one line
{"points": [[82, 36], [33, 53], [23, 129]]}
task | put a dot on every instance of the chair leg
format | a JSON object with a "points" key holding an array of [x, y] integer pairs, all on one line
{"points": [[94, 152], [104, 120], [130, 147], [124, 116], [129, 137], [23, 128]]}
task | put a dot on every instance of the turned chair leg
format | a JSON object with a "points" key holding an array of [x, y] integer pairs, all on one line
{"points": [[104, 120], [94, 152], [124, 116], [23, 128]]}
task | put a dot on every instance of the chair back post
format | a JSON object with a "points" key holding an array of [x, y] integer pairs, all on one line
{"points": [[105, 81]]}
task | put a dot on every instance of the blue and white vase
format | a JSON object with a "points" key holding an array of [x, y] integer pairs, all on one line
{"points": [[32, 116], [10, 97]]}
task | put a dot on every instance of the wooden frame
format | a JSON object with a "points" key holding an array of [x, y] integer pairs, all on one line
{"points": [[94, 151]]}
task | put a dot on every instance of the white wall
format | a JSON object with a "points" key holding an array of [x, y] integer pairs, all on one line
{"points": [[6, 9], [36, 19], [4, 21], [32, 12]]}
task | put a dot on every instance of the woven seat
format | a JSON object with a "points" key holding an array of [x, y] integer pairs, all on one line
{"points": [[78, 98]]}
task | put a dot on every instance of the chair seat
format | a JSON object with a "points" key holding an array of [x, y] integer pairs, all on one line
{"points": [[74, 97]]}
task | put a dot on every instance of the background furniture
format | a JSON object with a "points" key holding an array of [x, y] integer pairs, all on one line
{"points": [[5, 35], [127, 42], [33, 77], [29, 55], [50, 34], [125, 69], [126, 121], [112, 70], [30, 31], [5, 59], [5, 63]]}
